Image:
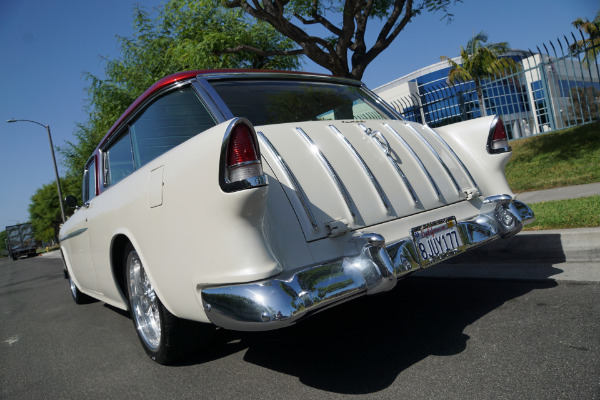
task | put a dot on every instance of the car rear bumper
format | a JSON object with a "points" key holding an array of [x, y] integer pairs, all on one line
{"points": [[369, 266]]}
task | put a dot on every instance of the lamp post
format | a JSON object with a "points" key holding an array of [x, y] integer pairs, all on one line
{"points": [[62, 207]]}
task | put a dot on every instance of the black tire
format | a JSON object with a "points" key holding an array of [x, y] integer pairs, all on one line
{"points": [[165, 337], [78, 296]]}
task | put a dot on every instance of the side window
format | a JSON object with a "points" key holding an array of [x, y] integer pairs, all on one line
{"points": [[89, 181], [118, 160], [167, 122]]}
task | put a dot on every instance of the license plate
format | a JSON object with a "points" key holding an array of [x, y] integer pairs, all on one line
{"points": [[437, 240]]}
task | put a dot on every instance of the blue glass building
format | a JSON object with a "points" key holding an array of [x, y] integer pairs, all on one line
{"points": [[543, 94]]}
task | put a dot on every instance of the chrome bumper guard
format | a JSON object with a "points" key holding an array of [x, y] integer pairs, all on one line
{"points": [[368, 266]]}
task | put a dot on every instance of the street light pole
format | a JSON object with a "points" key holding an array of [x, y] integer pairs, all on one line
{"points": [[60, 201]]}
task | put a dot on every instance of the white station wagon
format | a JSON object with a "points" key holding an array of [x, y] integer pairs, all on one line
{"points": [[248, 200]]}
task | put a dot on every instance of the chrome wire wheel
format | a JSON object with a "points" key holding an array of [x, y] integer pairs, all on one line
{"points": [[144, 303]]}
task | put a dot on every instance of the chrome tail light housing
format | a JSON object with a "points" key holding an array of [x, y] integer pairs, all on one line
{"points": [[498, 138], [240, 164]]}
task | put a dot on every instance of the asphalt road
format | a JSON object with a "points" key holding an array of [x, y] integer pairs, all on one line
{"points": [[431, 338]]}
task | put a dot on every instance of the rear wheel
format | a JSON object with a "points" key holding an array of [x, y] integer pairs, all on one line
{"points": [[165, 337]]}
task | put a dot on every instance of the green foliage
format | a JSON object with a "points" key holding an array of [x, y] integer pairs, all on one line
{"points": [[185, 35], [2, 243], [343, 49], [566, 214], [567, 157], [44, 210], [480, 60], [591, 45]]}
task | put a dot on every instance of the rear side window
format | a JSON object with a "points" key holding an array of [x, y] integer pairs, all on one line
{"points": [[119, 160], [167, 122]]}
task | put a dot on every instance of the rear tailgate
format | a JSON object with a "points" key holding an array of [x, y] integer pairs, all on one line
{"points": [[346, 175]]}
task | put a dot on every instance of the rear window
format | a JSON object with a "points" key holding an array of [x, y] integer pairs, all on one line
{"points": [[265, 102]]}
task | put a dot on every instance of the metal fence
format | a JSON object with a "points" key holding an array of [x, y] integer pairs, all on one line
{"points": [[553, 88]]}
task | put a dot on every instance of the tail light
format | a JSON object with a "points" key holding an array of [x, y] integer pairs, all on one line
{"points": [[241, 167], [498, 138]]}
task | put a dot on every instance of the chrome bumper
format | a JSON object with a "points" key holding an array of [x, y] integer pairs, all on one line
{"points": [[368, 266]]}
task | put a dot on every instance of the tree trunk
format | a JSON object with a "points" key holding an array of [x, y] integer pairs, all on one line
{"points": [[480, 99]]}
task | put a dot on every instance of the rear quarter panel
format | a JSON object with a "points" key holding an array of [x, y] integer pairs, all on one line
{"points": [[199, 236], [469, 140]]}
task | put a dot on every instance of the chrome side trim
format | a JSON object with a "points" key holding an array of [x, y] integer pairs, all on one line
{"points": [[374, 181], [291, 177], [72, 234], [387, 151], [340, 185], [453, 154], [368, 266], [435, 153], [416, 157]]}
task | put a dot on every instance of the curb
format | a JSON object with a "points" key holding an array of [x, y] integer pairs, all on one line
{"points": [[551, 255], [555, 245]]}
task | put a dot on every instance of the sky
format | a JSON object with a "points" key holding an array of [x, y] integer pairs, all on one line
{"points": [[47, 47]]}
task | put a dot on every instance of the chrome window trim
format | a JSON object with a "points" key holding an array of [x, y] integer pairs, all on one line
{"points": [[332, 173], [436, 154], [211, 100], [374, 181], [386, 150], [382, 102], [416, 157], [291, 177]]}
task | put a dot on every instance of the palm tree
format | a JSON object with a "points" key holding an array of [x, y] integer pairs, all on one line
{"points": [[480, 61], [591, 45]]}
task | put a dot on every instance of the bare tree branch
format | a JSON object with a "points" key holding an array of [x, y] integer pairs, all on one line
{"points": [[350, 37]]}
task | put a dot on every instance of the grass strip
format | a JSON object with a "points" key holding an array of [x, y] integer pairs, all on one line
{"points": [[566, 214], [563, 158]]}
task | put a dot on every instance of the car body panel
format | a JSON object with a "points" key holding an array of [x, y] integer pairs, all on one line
{"points": [[325, 184]]}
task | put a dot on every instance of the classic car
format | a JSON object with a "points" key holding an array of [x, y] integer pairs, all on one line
{"points": [[248, 200]]}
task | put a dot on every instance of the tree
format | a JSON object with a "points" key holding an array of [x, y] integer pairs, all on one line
{"points": [[3, 248], [590, 46], [479, 61], [44, 211], [185, 35], [584, 106], [345, 51]]}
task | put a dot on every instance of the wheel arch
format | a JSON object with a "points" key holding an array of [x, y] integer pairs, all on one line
{"points": [[117, 253]]}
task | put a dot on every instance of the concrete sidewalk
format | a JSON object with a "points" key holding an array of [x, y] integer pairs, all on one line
{"points": [[556, 255], [563, 193]]}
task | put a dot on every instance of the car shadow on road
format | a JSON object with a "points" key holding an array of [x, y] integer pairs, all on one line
{"points": [[362, 346]]}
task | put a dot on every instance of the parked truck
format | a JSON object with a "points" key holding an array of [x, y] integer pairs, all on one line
{"points": [[20, 241]]}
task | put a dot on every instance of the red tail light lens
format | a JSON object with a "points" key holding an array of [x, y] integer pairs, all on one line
{"points": [[498, 139], [240, 158], [242, 148]]}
